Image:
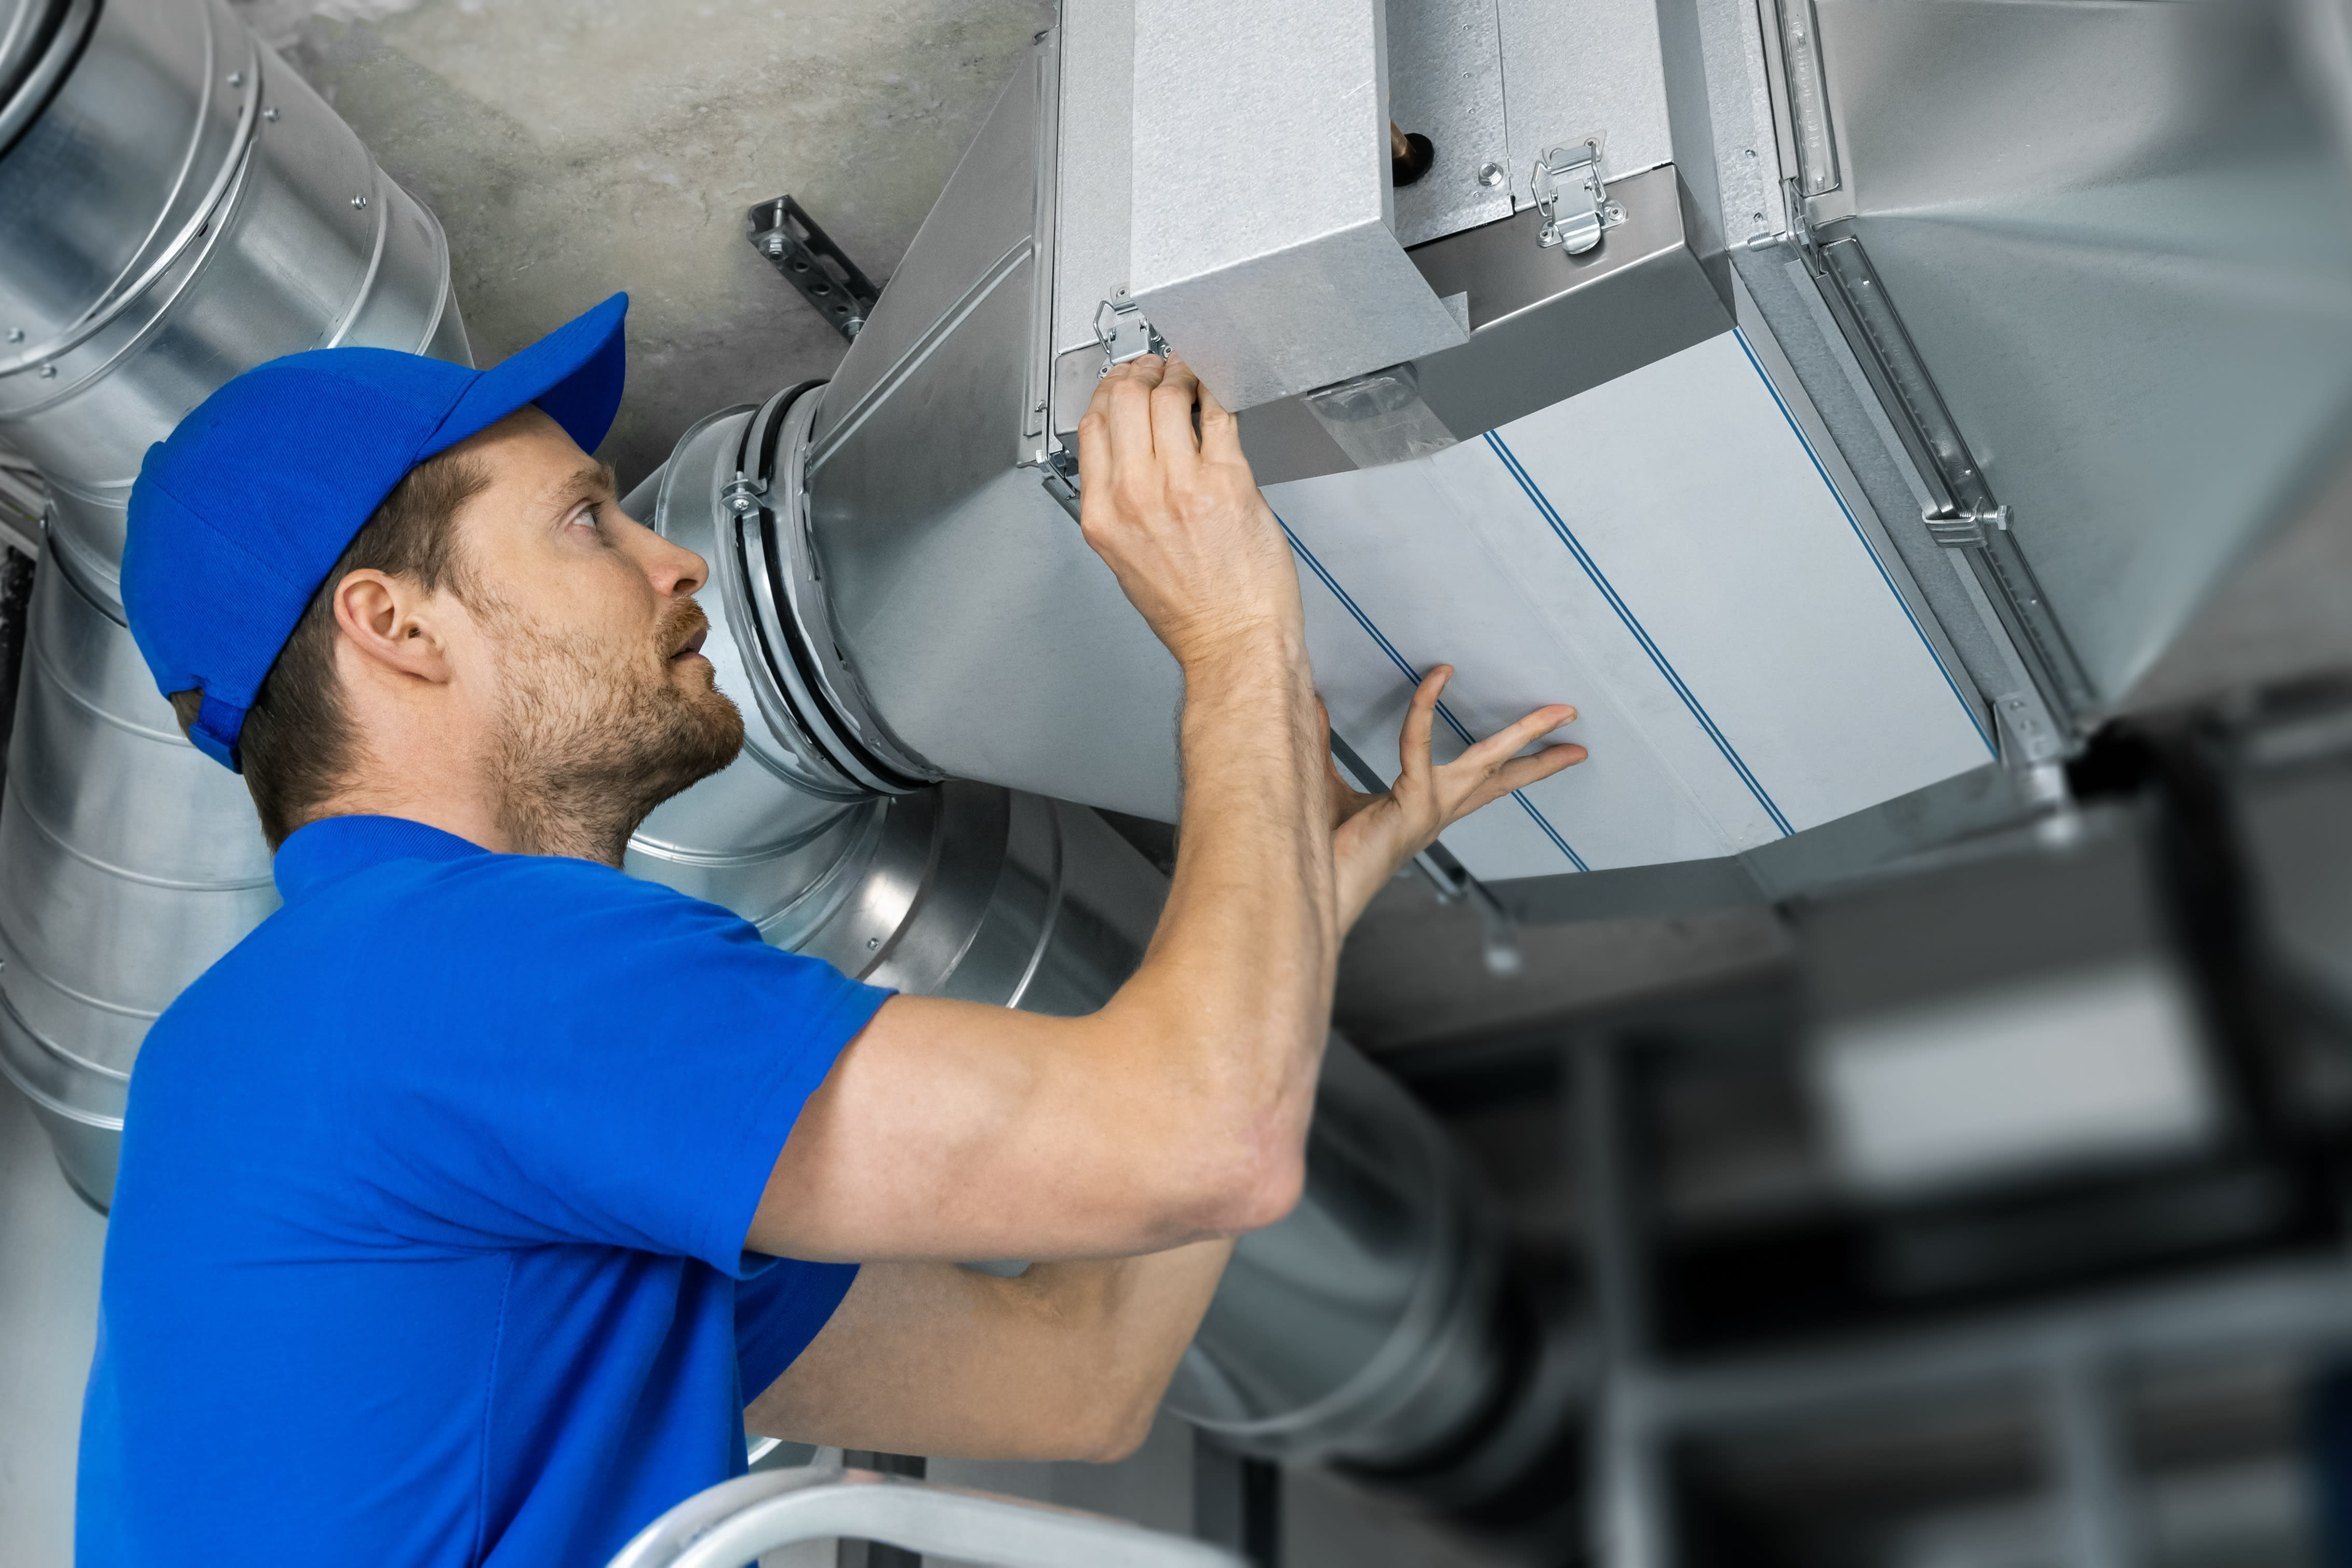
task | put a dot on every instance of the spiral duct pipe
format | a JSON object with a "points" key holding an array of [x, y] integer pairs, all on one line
{"points": [[181, 206]]}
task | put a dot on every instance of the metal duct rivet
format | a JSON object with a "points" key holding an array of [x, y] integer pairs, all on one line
{"points": [[48, 372], [270, 114], [236, 79], [15, 334], [359, 202], [1490, 174]]}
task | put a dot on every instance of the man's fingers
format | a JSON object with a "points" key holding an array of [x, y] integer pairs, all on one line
{"points": [[1515, 737], [1123, 397], [1521, 771], [1517, 774], [1221, 433], [1171, 414], [1413, 740]]}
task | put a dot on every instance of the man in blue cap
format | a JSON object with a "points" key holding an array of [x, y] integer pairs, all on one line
{"points": [[463, 1204]]}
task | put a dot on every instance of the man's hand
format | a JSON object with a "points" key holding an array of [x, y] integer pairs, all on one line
{"points": [[1372, 836], [1177, 517]]}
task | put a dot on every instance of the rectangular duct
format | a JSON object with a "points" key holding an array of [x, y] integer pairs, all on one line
{"points": [[1666, 550], [1262, 238]]}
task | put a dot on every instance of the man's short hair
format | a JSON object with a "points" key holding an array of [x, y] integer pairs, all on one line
{"points": [[298, 747]]}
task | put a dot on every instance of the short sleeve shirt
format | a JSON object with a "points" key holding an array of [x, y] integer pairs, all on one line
{"points": [[427, 1243]]}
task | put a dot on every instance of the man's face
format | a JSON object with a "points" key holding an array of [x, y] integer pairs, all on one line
{"points": [[603, 705]]}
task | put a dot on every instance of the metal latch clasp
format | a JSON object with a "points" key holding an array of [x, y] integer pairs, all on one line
{"points": [[1962, 527], [1576, 209], [1124, 333]]}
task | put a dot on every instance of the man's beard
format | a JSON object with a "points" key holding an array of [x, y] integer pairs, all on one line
{"points": [[594, 736]]}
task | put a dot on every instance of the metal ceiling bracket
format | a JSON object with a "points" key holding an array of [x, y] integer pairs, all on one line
{"points": [[782, 231], [1120, 328], [1569, 193]]}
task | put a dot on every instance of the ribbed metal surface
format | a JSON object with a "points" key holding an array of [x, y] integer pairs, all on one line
{"points": [[182, 208], [186, 207], [39, 42], [131, 865]]}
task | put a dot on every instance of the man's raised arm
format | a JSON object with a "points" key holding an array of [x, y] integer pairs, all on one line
{"points": [[1178, 1111]]}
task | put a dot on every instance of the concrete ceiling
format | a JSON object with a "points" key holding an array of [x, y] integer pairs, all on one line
{"points": [[575, 147]]}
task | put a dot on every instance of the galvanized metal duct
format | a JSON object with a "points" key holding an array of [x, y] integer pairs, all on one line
{"points": [[181, 206]]}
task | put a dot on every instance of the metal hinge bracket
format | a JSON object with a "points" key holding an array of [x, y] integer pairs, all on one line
{"points": [[1058, 471], [1120, 328], [1569, 193]]}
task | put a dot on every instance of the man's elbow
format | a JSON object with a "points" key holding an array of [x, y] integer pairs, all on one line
{"points": [[1119, 1432], [1248, 1189]]}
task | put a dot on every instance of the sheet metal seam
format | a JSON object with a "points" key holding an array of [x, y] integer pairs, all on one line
{"points": [[1399, 660], [1633, 624]]}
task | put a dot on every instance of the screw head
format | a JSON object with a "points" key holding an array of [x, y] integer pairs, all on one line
{"points": [[1490, 174], [48, 372], [236, 79], [270, 114], [359, 203], [15, 334]]}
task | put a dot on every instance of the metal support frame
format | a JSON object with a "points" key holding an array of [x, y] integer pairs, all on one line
{"points": [[1627, 1522], [2069, 1354], [1966, 515], [796, 246], [2090, 1468], [1237, 1501]]}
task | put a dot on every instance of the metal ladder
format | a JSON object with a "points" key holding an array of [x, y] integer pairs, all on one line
{"points": [[730, 1525]]}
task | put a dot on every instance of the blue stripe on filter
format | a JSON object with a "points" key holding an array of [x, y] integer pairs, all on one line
{"points": [[1633, 624], [1967, 706], [1399, 660]]}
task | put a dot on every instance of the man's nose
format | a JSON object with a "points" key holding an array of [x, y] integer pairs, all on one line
{"points": [[675, 569]]}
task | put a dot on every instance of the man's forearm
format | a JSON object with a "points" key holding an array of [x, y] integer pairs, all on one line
{"points": [[1068, 1361], [1237, 981]]}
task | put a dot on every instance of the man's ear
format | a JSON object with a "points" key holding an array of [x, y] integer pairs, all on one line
{"points": [[394, 624]]}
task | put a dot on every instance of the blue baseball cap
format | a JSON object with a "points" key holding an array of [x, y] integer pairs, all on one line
{"points": [[240, 513]]}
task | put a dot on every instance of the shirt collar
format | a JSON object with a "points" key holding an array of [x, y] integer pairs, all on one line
{"points": [[334, 847]]}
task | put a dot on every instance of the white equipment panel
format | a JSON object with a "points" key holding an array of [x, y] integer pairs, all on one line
{"points": [[1666, 553]]}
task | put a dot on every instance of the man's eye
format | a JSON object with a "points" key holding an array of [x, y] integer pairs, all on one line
{"points": [[589, 517]]}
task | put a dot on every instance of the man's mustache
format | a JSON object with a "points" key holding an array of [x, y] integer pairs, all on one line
{"points": [[683, 625]]}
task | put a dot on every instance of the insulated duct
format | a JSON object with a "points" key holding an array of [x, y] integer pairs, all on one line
{"points": [[180, 206]]}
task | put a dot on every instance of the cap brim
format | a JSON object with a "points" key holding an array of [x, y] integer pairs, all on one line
{"points": [[574, 374]]}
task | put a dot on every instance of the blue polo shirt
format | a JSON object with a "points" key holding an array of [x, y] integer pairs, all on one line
{"points": [[426, 1245]]}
